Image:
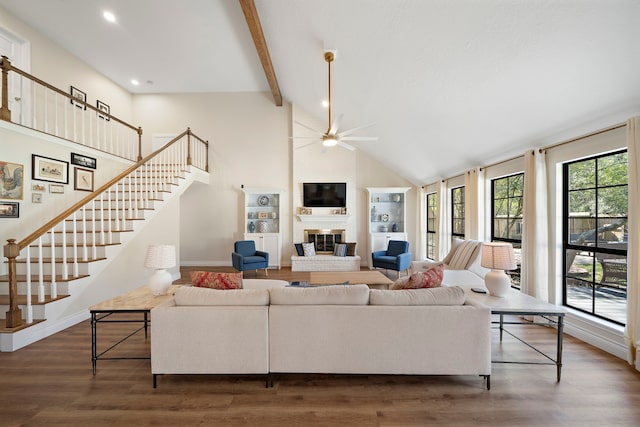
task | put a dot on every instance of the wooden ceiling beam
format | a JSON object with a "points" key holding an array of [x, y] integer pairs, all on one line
{"points": [[253, 21]]}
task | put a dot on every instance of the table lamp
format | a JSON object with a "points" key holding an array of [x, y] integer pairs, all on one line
{"points": [[160, 257], [498, 256]]}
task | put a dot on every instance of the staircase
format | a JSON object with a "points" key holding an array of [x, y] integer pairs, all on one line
{"points": [[60, 269]]}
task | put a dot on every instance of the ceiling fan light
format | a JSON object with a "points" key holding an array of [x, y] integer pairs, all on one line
{"points": [[329, 141]]}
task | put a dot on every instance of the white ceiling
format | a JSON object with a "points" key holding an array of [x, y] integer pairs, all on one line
{"points": [[450, 84]]}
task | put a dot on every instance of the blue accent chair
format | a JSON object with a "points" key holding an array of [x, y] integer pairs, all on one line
{"points": [[245, 257], [397, 257]]}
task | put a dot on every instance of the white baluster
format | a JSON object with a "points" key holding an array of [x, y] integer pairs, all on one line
{"points": [[40, 272], [102, 214], [74, 245], [65, 267], [54, 285], [94, 238], [28, 272]]}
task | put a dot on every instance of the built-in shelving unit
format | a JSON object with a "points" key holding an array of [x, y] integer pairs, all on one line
{"points": [[386, 219], [262, 221]]}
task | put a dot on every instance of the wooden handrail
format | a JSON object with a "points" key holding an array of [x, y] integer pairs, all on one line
{"points": [[5, 113], [45, 228]]}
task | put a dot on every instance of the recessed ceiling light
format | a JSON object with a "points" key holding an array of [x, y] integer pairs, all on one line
{"points": [[325, 103], [135, 82], [109, 16]]}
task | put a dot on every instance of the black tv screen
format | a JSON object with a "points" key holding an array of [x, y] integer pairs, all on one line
{"points": [[324, 194]]}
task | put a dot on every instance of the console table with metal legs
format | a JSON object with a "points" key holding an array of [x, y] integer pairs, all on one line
{"points": [[516, 303], [138, 301]]}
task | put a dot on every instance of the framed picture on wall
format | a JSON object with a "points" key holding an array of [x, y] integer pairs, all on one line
{"points": [[56, 189], [84, 161], [47, 169], [11, 181], [78, 98], [103, 108], [9, 210], [83, 179]]}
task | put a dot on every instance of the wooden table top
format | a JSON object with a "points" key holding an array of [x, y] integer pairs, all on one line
{"points": [[369, 277], [140, 299], [515, 302]]}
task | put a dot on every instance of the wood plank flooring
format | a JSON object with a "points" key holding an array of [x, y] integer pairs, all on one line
{"points": [[49, 383]]}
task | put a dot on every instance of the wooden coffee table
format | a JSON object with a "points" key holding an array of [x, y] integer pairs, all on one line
{"points": [[373, 278]]}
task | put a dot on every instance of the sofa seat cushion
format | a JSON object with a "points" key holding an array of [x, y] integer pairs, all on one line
{"points": [[195, 296], [452, 295], [253, 259], [321, 295]]}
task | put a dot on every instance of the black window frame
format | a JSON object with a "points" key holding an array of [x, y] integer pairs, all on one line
{"points": [[595, 250], [454, 231], [431, 231]]}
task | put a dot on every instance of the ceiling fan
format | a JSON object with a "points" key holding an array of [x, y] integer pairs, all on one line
{"points": [[331, 137]]}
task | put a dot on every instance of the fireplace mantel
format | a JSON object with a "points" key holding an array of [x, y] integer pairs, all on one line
{"points": [[324, 218]]}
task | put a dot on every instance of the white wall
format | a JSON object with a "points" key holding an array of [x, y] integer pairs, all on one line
{"points": [[249, 145], [58, 67]]}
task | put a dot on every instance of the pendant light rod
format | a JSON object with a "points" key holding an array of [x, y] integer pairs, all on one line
{"points": [[329, 56]]}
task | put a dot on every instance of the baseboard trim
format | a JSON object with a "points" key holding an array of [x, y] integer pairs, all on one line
{"points": [[20, 339], [609, 338]]}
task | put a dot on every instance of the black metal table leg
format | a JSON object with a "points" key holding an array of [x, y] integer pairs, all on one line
{"points": [[559, 349], [94, 357]]}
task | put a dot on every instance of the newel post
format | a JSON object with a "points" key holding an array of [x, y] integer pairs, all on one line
{"points": [[139, 143], [14, 315], [5, 113], [188, 146]]}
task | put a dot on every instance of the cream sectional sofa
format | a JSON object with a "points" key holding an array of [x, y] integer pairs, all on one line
{"points": [[333, 329]]}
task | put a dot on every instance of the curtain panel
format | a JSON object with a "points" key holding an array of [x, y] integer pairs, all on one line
{"points": [[535, 234], [632, 330]]}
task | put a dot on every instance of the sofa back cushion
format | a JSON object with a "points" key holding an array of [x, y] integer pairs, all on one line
{"points": [[450, 295], [464, 255], [321, 295], [191, 296], [397, 247]]}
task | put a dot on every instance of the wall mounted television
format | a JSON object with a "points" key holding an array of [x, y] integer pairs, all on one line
{"points": [[324, 194]]}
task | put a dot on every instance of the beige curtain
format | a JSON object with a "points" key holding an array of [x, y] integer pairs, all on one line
{"points": [[473, 197], [534, 279], [632, 330], [444, 232]]}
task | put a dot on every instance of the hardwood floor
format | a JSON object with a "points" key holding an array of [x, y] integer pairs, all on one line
{"points": [[50, 383]]}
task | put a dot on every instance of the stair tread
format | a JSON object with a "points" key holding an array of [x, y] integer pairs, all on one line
{"points": [[4, 329], [59, 245], [59, 261], [46, 278], [22, 299]]}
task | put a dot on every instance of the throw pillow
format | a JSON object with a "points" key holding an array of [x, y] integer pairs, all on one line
{"points": [[309, 249], [465, 254], [432, 278], [299, 249], [351, 249], [340, 249], [221, 281]]}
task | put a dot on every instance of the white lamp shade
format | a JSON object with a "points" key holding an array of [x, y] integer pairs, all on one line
{"points": [[498, 256], [160, 256]]}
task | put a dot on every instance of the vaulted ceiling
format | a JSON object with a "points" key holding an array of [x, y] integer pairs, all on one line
{"points": [[449, 84]]}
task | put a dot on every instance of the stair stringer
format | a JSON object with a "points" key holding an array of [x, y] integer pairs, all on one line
{"points": [[122, 270]]}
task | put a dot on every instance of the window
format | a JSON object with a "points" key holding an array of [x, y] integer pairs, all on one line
{"points": [[595, 236], [506, 216], [432, 206], [457, 212]]}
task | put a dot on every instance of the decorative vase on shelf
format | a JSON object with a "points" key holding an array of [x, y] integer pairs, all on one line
{"points": [[396, 198], [263, 227], [394, 227], [252, 227], [374, 214]]}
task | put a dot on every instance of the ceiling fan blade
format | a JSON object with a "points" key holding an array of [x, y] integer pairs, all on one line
{"points": [[347, 146], [350, 131], [359, 138], [305, 137], [309, 127], [307, 144], [334, 126]]}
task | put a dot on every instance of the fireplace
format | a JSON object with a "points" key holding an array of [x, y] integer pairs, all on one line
{"points": [[324, 239]]}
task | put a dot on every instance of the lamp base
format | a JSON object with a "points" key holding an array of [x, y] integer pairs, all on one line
{"points": [[160, 282], [497, 282]]}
